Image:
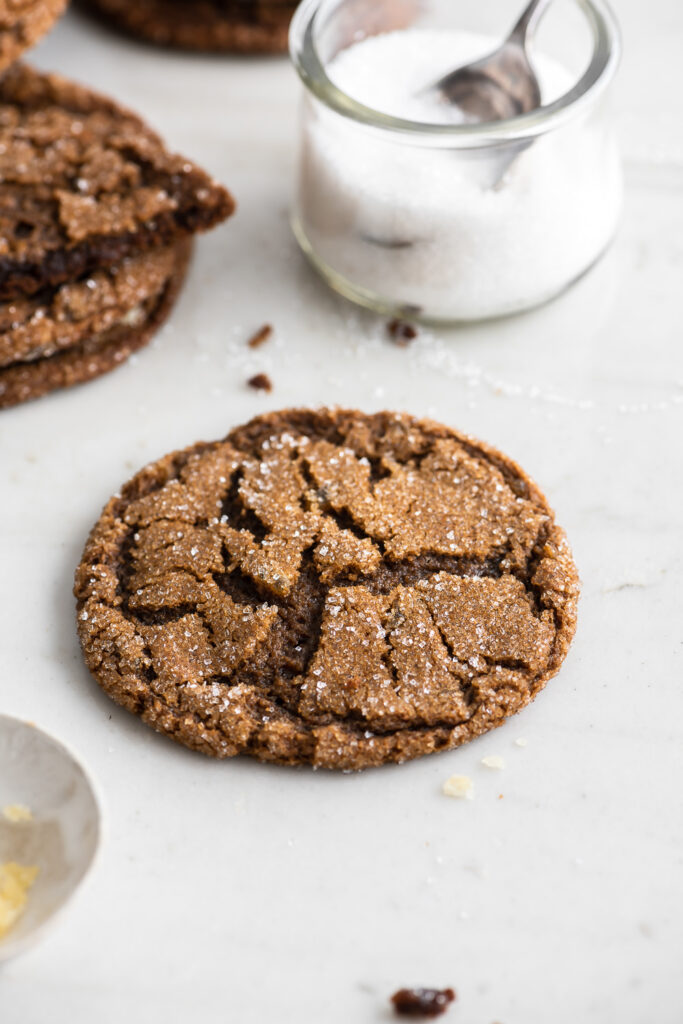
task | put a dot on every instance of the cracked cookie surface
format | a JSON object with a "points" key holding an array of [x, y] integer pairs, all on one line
{"points": [[327, 587], [86, 184]]}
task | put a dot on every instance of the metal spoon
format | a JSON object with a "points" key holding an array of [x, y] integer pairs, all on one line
{"points": [[503, 84]]}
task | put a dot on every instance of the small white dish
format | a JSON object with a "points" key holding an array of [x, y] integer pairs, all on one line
{"points": [[63, 833]]}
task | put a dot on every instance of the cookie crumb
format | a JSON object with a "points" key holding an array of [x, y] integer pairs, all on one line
{"points": [[17, 812], [260, 382], [494, 761], [261, 336], [422, 1002], [401, 332], [521, 742], [459, 786]]}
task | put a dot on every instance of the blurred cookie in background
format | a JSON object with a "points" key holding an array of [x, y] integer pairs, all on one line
{"points": [[211, 26]]}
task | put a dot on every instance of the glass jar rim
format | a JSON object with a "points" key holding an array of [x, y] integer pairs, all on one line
{"points": [[600, 71]]}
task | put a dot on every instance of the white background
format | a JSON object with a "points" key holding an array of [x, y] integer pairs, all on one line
{"points": [[234, 892]]}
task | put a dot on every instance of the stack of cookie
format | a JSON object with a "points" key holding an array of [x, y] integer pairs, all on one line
{"points": [[237, 26], [96, 219]]}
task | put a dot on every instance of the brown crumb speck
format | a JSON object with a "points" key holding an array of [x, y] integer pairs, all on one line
{"points": [[401, 332], [422, 1002], [261, 337], [260, 382]]}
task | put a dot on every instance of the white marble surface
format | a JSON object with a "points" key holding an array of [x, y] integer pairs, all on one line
{"points": [[237, 892]]}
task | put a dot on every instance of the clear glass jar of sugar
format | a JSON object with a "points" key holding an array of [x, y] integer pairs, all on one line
{"points": [[404, 207]]}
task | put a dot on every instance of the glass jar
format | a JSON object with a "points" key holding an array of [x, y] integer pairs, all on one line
{"points": [[451, 222]]}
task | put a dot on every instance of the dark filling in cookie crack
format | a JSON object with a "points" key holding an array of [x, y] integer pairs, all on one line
{"points": [[295, 634]]}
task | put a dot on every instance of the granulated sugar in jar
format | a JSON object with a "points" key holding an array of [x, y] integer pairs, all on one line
{"points": [[405, 206]]}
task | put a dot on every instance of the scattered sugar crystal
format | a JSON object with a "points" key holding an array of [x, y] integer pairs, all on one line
{"points": [[521, 741]]}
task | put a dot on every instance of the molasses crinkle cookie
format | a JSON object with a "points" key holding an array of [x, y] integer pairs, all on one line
{"points": [[238, 26], [96, 219], [328, 588]]}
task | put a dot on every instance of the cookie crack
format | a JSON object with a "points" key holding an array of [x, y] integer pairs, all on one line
{"points": [[385, 655], [343, 517], [465, 680], [407, 572], [244, 589], [238, 514], [378, 470], [345, 521], [161, 616], [525, 575]]}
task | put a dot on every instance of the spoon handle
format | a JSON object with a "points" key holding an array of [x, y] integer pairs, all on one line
{"points": [[528, 22]]}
